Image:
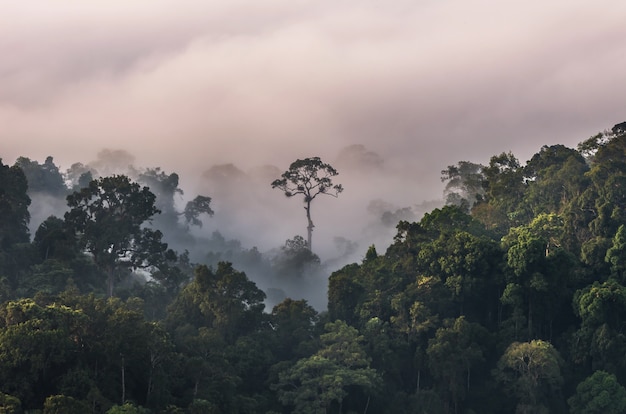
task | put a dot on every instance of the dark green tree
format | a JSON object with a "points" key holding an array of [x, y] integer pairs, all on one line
{"points": [[15, 251], [63, 404], [555, 177], [605, 198], [293, 323], [346, 292], [504, 190], [600, 393], [215, 320], [616, 255], [10, 404], [530, 373], [54, 240], [600, 342], [327, 377], [14, 202], [469, 266], [108, 217], [37, 344], [223, 299], [127, 408], [454, 352], [540, 277]]}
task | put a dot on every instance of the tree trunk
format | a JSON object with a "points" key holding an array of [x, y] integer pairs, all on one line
{"points": [[530, 316], [419, 374], [110, 281], [149, 391], [123, 382], [310, 226]]}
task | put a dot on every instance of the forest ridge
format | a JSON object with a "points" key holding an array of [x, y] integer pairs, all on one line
{"points": [[509, 299]]}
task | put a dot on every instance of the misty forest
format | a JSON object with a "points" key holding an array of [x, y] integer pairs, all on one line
{"points": [[507, 296]]}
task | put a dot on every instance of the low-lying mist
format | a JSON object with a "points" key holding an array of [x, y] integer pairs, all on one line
{"points": [[258, 228]]}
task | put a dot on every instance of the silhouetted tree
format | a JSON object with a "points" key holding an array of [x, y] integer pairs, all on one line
{"points": [[309, 177], [42, 178], [14, 202], [108, 217], [195, 207]]}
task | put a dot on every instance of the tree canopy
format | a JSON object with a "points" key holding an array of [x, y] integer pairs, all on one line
{"points": [[107, 218], [508, 299]]}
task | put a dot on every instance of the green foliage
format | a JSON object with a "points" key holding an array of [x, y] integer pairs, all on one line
{"points": [[77, 346], [36, 343], [314, 383], [224, 299], [10, 404], [216, 321], [464, 184], [14, 202], [540, 275], [555, 176], [616, 255], [605, 197], [598, 394], [127, 408], [600, 339], [108, 217], [62, 404], [199, 406], [52, 276], [453, 354], [501, 301], [530, 372], [293, 322], [53, 240], [504, 190], [346, 292]]}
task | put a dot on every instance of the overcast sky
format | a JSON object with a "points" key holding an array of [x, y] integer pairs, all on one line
{"points": [[188, 84]]}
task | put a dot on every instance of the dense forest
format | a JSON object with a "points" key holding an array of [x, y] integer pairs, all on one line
{"points": [[511, 298]]}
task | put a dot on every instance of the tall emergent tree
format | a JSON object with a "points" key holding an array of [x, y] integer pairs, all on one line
{"points": [[108, 216], [309, 177]]}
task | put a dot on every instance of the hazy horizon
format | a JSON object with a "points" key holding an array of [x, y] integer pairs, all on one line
{"points": [[198, 85], [423, 84]]}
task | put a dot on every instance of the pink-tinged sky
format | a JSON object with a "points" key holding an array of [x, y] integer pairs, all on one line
{"points": [[188, 84]]}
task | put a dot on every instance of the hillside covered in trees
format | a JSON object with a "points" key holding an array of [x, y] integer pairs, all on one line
{"points": [[509, 299]]}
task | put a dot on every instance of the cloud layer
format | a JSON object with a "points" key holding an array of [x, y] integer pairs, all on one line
{"points": [[423, 84]]}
